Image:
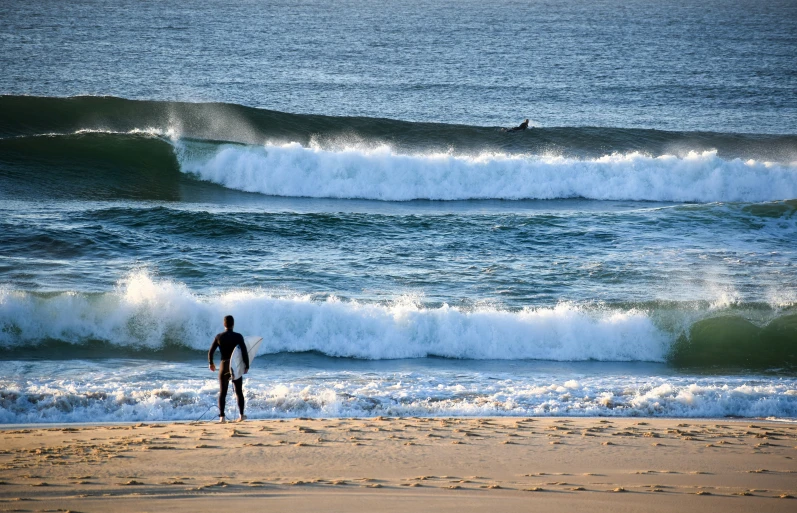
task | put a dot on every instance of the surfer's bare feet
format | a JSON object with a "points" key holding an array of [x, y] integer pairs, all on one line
{"points": [[222, 420], [243, 418]]}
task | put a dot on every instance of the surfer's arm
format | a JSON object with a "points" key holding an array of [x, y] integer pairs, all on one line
{"points": [[212, 351]]}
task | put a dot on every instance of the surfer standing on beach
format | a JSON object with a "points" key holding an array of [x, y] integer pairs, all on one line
{"points": [[226, 342]]}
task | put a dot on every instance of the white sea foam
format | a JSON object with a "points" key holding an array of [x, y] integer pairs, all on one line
{"points": [[139, 391], [150, 313], [382, 174]]}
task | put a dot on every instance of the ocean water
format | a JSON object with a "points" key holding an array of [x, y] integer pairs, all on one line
{"points": [[334, 175]]}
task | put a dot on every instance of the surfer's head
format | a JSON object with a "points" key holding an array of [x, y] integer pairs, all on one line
{"points": [[229, 322]]}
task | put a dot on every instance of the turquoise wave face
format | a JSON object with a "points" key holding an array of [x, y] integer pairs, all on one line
{"points": [[735, 341]]}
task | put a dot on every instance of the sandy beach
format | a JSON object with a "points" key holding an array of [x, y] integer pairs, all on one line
{"points": [[403, 464]]}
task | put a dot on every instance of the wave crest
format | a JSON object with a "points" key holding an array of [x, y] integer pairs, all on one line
{"points": [[151, 315]]}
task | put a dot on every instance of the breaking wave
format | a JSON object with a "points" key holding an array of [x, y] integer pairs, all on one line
{"points": [[101, 147], [381, 174], [145, 315]]}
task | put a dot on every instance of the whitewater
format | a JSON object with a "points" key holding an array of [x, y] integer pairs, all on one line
{"points": [[135, 390], [146, 315], [382, 174]]}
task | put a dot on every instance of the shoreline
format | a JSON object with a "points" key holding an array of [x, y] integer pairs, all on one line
{"points": [[212, 420], [396, 464]]}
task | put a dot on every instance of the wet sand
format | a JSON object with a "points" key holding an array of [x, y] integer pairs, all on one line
{"points": [[403, 464]]}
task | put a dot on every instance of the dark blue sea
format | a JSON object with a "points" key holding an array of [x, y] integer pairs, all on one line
{"points": [[337, 175]]}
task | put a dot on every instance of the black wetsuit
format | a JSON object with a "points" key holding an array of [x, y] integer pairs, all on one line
{"points": [[226, 343], [522, 126]]}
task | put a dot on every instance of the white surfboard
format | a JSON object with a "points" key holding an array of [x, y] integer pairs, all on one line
{"points": [[237, 366]]}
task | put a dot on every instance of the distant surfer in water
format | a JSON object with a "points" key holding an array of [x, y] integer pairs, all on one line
{"points": [[226, 342], [522, 126]]}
